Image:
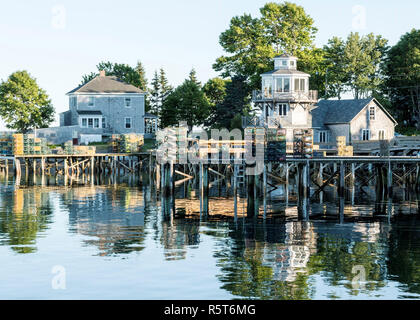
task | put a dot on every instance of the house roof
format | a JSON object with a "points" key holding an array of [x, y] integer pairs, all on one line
{"points": [[150, 115], [106, 84], [89, 112], [285, 55], [285, 71], [340, 111]]}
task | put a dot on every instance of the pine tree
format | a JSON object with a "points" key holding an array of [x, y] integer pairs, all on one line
{"points": [[165, 88], [142, 74], [154, 96], [193, 77]]}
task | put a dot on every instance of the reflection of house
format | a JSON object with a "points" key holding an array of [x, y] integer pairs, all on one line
{"points": [[113, 217], [292, 257], [103, 106]]}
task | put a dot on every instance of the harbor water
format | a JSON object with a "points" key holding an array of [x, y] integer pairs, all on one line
{"points": [[110, 240]]}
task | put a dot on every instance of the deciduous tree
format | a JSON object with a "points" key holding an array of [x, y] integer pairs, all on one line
{"points": [[23, 104]]}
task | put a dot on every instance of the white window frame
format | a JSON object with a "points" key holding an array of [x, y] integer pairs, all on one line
{"points": [[281, 109], [93, 119], [299, 88], [125, 102], [282, 84], [384, 134], [372, 115], [326, 136], [269, 92], [368, 135], [131, 122]]}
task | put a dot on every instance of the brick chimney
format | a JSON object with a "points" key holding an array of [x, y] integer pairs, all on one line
{"points": [[102, 73]]}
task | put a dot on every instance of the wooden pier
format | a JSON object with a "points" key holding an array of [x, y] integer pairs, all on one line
{"points": [[310, 179], [74, 165], [305, 178]]}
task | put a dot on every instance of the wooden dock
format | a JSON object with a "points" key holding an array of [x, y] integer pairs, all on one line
{"points": [[309, 178]]}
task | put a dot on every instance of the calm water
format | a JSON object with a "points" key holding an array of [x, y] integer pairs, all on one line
{"points": [[111, 241]]}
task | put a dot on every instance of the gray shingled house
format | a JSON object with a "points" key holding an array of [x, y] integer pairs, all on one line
{"points": [[103, 106], [357, 120]]}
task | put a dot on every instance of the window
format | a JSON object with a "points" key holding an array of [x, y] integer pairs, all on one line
{"points": [[284, 63], [267, 88], [90, 122], [299, 85], [365, 134], [372, 113], [128, 102], [381, 134], [128, 123], [282, 85], [103, 122], [281, 109], [292, 63], [323, 136], [91, 101]]}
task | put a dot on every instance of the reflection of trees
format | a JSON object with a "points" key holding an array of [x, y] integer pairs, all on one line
{"points": [[24, 213], [336, 258], [113, 216], [277, 261], [404, 255]]}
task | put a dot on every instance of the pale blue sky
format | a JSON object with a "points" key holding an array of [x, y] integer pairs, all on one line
{"points": [[175, 35]]}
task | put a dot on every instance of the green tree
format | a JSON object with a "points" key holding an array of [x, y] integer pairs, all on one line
{"points": [[252, 43], [402, 79], [215, 90], [154, 96], [124, 72], [354, 65], [186, 103], [164, 86], [24, 105], [235, 104], [142, 76]]}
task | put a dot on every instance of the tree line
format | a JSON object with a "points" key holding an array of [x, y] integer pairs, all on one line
{"points": [[362, 65]]}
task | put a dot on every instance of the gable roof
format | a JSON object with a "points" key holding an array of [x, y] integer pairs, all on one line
{"points": [[106, 84], [341, 111], [285, 55]]}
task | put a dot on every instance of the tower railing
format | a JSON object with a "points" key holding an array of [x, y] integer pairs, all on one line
{"points": [[299, 96]]}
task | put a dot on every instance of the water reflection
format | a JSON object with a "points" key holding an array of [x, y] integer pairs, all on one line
{"points": [[279, 257], [24, 214]]}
